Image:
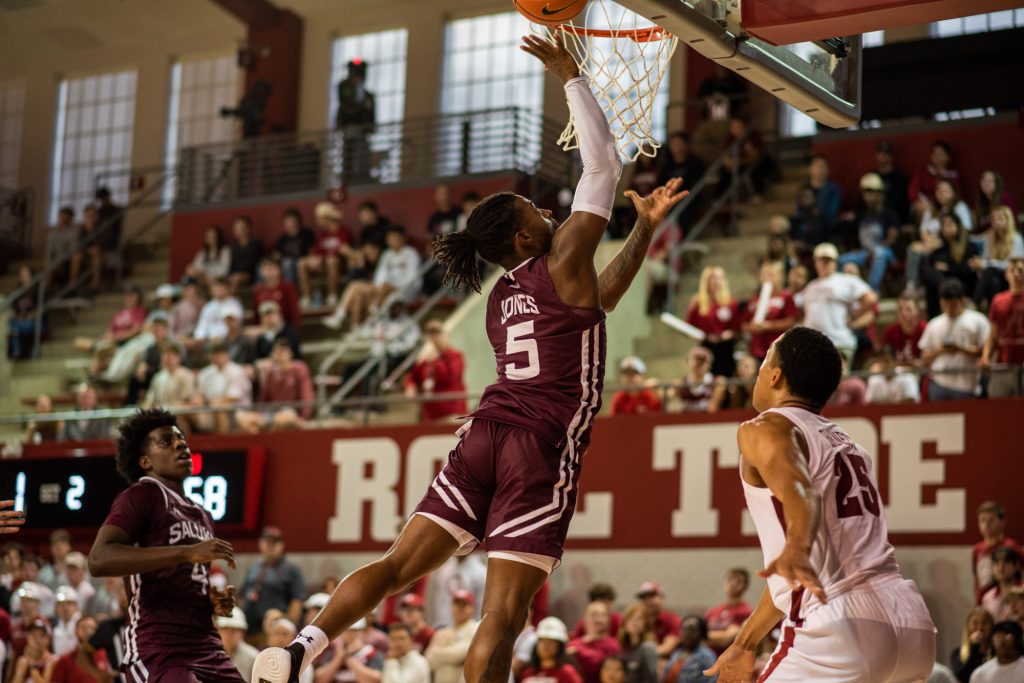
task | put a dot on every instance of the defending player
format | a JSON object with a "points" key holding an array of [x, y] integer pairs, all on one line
{"points": [[512, 477], [832, 574], [162, 543]]}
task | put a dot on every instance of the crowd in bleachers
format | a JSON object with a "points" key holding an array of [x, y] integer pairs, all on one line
{"points": [[58, 621]]}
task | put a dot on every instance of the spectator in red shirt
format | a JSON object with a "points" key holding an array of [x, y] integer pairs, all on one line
{"points": [[590, 650], [667, 626], [778, 316], [992, 526], [437, 371], [637, 397], [715, 313], [1005, 342], [273, 287], [724, 620], [327, 255], [939, 168], [604, 594], [902, 337], [549, 663], [411, 611], [84, 664], [283, 379]]}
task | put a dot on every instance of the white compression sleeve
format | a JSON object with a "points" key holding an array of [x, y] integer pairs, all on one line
{"points": [[595, 193]]}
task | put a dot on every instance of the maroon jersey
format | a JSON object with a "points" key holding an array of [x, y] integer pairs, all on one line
{"points": [[169, 610], [550, 357]]}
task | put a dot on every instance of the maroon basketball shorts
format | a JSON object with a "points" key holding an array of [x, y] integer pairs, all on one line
{"points": [[508, 488], [203, 665]]}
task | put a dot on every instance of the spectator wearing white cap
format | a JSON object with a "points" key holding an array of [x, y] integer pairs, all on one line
{"points": [[211, 323], [404, 664], [27, 603], [328, 255], [69, 611], [550, 663], [450, 645], [667, 626], [834, 299], [637, 397], [877, 229], [77, 570], [232, 633], [350, 659], [281, 633]]}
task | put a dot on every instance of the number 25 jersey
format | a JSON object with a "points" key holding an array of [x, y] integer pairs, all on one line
{"points": [[550, 358], [851, 546]]}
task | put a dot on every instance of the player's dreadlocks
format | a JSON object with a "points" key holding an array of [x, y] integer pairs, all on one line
{"points": [[131, 440], [489, 232]]}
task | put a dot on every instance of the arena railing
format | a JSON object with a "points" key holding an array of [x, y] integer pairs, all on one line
{"points": [[415, 149]]}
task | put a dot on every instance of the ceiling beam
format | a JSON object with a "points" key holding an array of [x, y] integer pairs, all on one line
{"points": [[253, 13]]}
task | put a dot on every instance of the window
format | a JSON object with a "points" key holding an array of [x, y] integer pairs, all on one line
{"points": [[872, 39], [12, 105], [384, 53], [199, 88], [979, 23], [95, 121], [484, 69]]}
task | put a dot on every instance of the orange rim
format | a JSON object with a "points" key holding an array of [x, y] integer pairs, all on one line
{"points": [[640, 35]]}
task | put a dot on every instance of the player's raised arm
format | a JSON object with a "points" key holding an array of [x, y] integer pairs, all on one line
{"points": [[572, 250], [651, 211], [770, 444]]}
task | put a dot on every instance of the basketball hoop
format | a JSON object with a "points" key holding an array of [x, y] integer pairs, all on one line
{"points": [[624, 58]]}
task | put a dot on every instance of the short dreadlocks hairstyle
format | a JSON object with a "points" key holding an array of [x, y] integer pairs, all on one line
{"points": [[131, 440], [489, 231], [810, 363]]}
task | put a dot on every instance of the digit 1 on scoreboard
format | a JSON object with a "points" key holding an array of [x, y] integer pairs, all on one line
{"points": [[19, 492]]}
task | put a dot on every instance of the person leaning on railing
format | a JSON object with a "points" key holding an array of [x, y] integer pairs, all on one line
{"points": [[1005, 343]]}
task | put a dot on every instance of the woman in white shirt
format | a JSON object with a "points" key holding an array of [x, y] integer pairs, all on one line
{"points": [[1001, 243], [213, 260]]}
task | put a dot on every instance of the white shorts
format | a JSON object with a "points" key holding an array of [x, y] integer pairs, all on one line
{"points": [[880, 633]]}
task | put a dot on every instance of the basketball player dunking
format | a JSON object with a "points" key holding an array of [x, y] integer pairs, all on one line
{"points": [[849, 615], [511, 480], [162, 543]]}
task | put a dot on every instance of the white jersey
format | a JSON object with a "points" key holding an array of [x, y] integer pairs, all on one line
{"points": [[851, 546]]}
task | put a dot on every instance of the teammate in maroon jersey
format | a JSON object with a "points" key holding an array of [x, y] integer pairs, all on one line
{"points": [[511, 480], [162, 543]]}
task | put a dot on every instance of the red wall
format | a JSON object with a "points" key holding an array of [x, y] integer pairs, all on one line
{"points": [[992, 146], [407, 206], [657, 481]]}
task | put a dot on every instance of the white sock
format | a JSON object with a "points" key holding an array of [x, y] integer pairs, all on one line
{"points": [[314, 641]]}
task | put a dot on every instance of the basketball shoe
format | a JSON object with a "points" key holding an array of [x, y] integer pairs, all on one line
{"points": [[278, 665]]}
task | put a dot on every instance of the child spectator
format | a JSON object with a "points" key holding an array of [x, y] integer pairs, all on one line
{"points": [[550, 663], [889, 385], [992, 527], [698, 385], [950, 260], [901, 338], [246, 254], [951, 346], [1006, 577], [724, 620], [991, 194], [273, 287], [939, 168], [283, 380], [1005, 342], [715, 312], [1002, 243], [293, 244], [327, 255], [213, 261], [637, 397], [438, 370], [779, 313]]}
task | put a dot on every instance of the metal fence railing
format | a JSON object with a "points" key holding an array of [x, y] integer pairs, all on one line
{"points": [[424, 148]]}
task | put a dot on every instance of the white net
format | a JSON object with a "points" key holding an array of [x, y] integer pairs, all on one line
{"points": [[624, 58]]}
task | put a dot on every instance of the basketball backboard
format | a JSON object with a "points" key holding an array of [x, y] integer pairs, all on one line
{"points": [[821, 79]]}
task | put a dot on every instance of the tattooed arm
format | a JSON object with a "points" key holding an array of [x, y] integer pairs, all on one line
{"points": [[616, 277]]}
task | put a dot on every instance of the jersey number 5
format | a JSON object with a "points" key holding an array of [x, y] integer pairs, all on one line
{"points": [[516, 343], [848, 467]]}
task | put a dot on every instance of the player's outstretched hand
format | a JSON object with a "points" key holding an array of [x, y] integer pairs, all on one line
{"points": [[654, 207], [735, 665], [553, 54], [10, 520], [223, 600], [213, 549], [794, 565]]}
